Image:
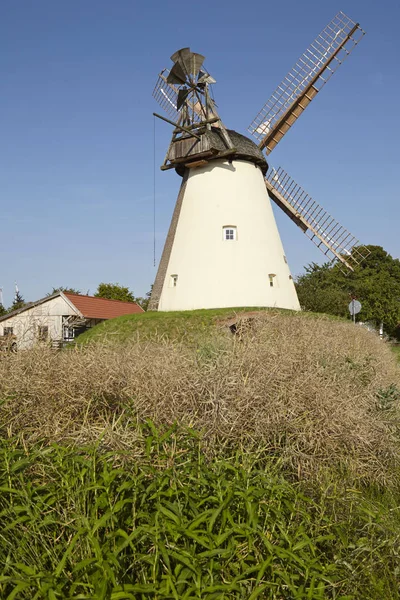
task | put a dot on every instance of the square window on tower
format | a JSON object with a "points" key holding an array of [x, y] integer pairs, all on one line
{"points": [[229, 232], [272, 279]]}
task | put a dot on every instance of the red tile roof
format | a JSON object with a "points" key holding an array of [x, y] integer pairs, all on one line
{"points": [[101, 308]]}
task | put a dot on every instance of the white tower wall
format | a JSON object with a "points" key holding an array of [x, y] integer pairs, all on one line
{"points": [[213, 272]]}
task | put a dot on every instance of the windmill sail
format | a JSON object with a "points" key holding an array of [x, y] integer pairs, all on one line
{"points": [[166, 95], [323, 230], [300, 86], [190, 62]]}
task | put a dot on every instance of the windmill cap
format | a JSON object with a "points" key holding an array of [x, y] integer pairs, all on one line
{"points": [[246, 149]]}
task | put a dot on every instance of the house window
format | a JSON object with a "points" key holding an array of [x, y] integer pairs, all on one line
{"points": [[229, 232], [271, 278], [68, 333], [173, 282], [43, 333], [8, 331]]}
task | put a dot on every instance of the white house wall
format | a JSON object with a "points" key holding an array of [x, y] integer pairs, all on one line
{"points": [[25, 324], [212, 272]]}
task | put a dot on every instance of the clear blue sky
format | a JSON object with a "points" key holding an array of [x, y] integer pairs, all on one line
{"points": [[76, 128]]}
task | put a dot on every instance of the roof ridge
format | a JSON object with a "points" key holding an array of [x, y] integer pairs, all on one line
{"points": [[99, 298]]}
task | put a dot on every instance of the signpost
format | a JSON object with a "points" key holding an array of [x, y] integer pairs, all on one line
{"points": [[354, 308]]}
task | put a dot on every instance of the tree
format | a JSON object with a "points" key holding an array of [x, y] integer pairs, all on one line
{"points": [[19, 302], [3, 311], [64, 289], [144, 302], [114, 291], [375, 283]]}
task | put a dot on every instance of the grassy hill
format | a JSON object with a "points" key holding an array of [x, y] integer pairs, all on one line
{"points": [[165, 456], [186, 325], [180, 325], [396, 350]]}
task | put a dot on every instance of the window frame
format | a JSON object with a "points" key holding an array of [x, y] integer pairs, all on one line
{"points": [[232, 231]]}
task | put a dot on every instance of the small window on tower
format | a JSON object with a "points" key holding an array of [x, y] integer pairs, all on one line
{"points": [[229, 233], [271, 278], [173, 281]]}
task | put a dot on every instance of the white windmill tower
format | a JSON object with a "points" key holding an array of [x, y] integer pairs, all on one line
{"points": [[223, 247]]}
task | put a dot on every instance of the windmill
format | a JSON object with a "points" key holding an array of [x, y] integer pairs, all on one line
{"points": [[223, 247]]}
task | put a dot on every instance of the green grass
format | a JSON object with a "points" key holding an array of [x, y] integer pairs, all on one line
{"points": [[396, 350], [78, 523], [176, 325], [172, 325]]}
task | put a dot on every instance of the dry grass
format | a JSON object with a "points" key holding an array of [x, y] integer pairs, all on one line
{"points": [[303, 388]]}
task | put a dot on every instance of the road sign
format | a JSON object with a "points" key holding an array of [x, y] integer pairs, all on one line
{"points": [[354, 308]]}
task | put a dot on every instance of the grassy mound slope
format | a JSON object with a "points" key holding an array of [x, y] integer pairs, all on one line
{"points": [[314, 391], [396, 350], [187, 325], [182, 461]]}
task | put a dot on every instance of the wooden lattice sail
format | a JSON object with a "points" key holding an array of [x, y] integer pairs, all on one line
{"points": [[308, 76], [322, 229]]}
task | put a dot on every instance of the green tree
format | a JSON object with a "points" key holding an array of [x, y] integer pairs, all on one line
{"points": [[144, 302], [375, 283], [19, 302], [114, 291], [3, 311], [64, 289]]}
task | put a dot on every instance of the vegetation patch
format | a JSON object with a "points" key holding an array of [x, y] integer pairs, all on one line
{"points": [[177, 460], [375, 282], [188, 325], [305, 389], [81, 523], [396, 350]]}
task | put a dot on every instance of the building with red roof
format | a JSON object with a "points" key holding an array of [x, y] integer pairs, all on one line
{"points": [[60, 318], [101, 308]]}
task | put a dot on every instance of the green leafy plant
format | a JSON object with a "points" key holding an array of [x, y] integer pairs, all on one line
{"points": [[81, 523]]}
